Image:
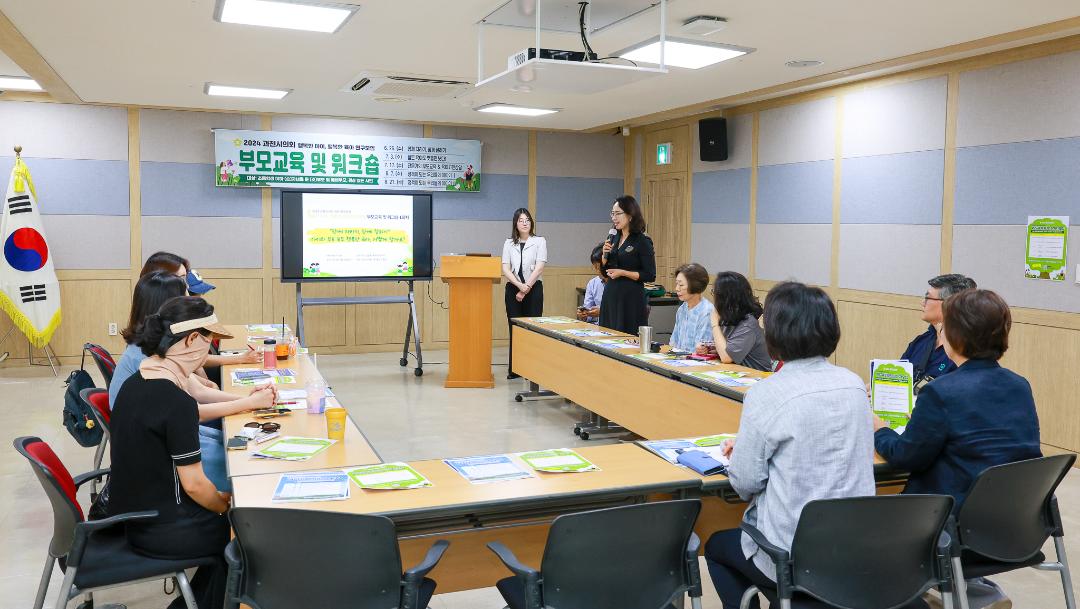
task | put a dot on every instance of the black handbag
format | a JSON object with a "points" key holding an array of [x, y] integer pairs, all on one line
{"points": [[78, 419]]}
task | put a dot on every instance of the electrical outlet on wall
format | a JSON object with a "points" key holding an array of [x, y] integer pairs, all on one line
{"points": [[112, 329]]}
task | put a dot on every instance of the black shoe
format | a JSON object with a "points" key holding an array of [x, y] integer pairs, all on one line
{"points": [[512, 376]]}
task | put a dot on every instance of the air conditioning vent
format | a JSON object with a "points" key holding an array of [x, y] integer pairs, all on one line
{"points": [[410, 86]]}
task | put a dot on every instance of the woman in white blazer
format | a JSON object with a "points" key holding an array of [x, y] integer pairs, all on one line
{"points": [[523, 258]]}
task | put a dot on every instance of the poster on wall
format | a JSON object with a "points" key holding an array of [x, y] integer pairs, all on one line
{"points": [[1047, 242], [321, 160]]}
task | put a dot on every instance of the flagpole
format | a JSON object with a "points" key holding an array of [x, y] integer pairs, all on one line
{"points": [[47, 349], [6, 354]]}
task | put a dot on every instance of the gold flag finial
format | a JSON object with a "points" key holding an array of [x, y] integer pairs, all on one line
{"points": [[18, 151]]}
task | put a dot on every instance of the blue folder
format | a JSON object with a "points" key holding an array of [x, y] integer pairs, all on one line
{"points": [[701, 462]]}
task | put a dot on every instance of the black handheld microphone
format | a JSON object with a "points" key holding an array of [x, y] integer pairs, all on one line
{"points": [[612, 236]]}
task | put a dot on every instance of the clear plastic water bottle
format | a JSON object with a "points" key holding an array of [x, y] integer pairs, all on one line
{"points": [[316, 396]]}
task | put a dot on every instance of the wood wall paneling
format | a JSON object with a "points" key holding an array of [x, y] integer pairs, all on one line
{"points": [[381, 324], [870, 331], [87, 307], [236, 300], [679, 137], [323, 326], [1047, 358]]}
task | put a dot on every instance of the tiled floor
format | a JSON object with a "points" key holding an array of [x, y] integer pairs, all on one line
{"points": [[404, 417]]}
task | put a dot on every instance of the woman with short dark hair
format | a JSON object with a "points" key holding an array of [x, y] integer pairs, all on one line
{"points": [[804, 435], [979, 416], [692, 320], [976, 417], [629, 261], [737, 336]]}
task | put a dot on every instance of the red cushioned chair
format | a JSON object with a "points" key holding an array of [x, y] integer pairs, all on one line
{"points": [[105, 363], [93, 554], [98, 401]]}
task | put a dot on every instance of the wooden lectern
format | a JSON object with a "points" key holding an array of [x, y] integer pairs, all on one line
{"points": [[470, 279]]}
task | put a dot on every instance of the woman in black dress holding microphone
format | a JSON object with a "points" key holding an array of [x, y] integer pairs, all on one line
{"points": [[629, 262]]}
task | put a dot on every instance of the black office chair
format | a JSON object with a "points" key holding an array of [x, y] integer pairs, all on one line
{"points": [[632, 557], [287, 558], [105, 362], [1005, 520], [861, 553], [97, 401], [93, 554]]}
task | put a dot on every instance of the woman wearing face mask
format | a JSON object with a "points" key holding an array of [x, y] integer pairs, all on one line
{"points": [[156, 460], [523, 259], [153, 290]]}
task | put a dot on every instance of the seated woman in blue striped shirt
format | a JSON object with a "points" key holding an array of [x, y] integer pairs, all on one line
{"points": [[693, 320]]}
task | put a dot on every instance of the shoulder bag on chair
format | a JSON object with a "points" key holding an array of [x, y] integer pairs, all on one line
{"points": [[78, 419]]}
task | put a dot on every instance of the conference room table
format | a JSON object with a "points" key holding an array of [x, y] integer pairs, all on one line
{"points": [[654, 398], [518, 512], [353, 450], [515, 512]]}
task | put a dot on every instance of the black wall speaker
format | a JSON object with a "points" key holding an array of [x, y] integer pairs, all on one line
{"points": [[712, 139]]}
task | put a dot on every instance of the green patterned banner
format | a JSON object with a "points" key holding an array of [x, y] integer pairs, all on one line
{"points": [[320, 160]]}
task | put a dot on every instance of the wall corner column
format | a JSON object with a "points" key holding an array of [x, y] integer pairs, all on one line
{"points": [[532, 172], [266, 124], [838, 167], [134, 193], [948, 191], [755, 133]]}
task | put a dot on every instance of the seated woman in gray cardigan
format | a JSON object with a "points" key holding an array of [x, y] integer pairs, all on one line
{"points": [[805, 434]]}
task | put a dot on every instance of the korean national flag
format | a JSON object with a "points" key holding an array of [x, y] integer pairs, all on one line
{"points": [[29, 291]]}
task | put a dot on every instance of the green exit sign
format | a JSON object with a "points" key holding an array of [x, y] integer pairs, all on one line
{"points": [[663, 153]]}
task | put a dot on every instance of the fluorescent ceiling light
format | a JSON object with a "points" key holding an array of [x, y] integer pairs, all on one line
{"points": [[315, 16], [19, 83], [228, 91], [682, 53], [516, 110]]}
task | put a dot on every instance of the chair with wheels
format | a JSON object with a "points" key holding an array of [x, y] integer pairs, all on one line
{"points": [[97, 399], [93, 554], [861, 553], [1006, 518], [632, 557], [348, 560], [105, 362]]}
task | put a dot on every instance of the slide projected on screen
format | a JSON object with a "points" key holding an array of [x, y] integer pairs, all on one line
{"points": [[351, 235]]}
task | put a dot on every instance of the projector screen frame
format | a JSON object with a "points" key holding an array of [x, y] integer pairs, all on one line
{"points": [[362, 279]]}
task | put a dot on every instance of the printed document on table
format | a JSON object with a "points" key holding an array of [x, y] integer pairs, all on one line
{"points": [[585, 333], [312, 486], [616, 343], [293, 448], [892, 392], [726, 378], [247, 377], [487, 468], [268, 328], [669, 450], [387, 476], [557, 460]]}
